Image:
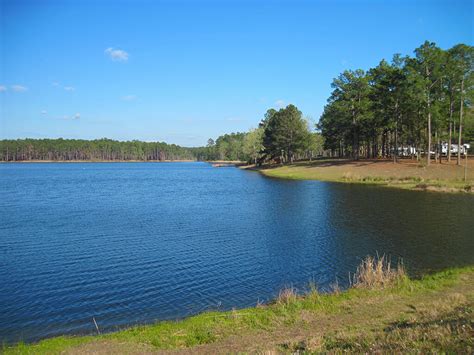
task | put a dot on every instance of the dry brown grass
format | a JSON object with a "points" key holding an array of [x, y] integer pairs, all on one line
{"points": [[287, 296], [377, 272], [406, 174], [372, 273], [449, 330]]}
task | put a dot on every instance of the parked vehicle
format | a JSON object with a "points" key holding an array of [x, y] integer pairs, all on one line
{"points": [[406, 151], [454, 149]]}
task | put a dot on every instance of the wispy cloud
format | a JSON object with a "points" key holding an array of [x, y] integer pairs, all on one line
{"points": [[128, 98], [71, 117], [65, 88], [280, 103], [44, 112], [19, 88], [3, 88], [118, 55]]}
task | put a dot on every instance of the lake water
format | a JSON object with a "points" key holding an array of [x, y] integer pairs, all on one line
{"points": [[131, 243]]}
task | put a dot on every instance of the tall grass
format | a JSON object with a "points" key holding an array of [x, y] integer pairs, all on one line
{"points": [[377, 272], [286, 296], [372, 273]]}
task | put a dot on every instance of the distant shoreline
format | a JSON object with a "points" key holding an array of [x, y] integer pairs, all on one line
{"points": [[227, 162], [97, 161]]}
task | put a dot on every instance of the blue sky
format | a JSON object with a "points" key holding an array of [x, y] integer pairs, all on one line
{"points": [[184, 71]]}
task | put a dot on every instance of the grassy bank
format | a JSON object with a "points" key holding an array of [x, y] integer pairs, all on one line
{"points": [[383, 311], [406, 174]]}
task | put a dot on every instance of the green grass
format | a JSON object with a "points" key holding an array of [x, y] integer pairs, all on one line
{"points": [[286, 313], [295, 172]]}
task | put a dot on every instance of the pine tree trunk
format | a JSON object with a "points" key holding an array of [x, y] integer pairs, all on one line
{"points": [[383, 145], [450, 130], [428, 153], [460, 122], [395, 154], [448, 153], [438, 151]]}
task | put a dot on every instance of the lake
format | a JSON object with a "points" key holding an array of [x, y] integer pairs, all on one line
{"points": [[132, 243]]}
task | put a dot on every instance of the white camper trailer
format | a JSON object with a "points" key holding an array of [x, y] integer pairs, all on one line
{"points": [[454, 149], [406, 151]]}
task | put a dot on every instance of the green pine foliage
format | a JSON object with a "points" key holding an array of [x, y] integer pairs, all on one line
{"points": [[90, 150], [416, 102], [286, 134]]}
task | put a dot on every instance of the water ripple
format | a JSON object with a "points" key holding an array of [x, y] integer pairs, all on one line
{"points": [[135, 243]]}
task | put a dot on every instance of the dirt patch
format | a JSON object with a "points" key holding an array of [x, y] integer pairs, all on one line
{"points": [[111, 347], [404, 168]]}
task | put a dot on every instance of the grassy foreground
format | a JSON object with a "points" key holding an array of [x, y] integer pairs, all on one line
{"points": [[391, 313], [406, 174]]}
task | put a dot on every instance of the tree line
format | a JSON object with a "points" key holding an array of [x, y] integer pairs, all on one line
{"points": [[413, 103], [99, 149]]}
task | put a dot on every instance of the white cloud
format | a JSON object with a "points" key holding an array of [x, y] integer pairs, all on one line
{"points": [[280, 103], [118, 55], [19, 88], [70, 117], [66, 88], [3, 88], [44, 112], [128, 98]]}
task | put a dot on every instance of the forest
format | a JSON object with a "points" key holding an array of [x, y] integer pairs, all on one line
{"points": [[410, 106], [93, 150]]}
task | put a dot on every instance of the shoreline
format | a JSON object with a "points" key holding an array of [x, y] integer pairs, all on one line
{"points": [[95, 161], [356, 319], [228, 162], [406, 175]]}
